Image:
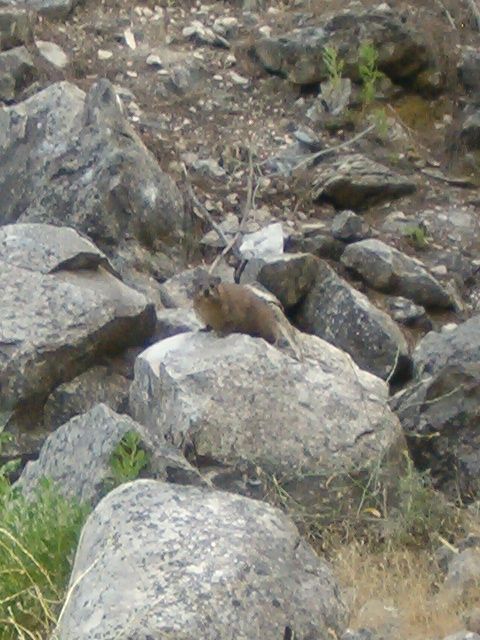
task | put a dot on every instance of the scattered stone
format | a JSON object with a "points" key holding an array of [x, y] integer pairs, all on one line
{"points": [[472, 620], [389, 270], [238, 79], [79, 395], [469, 69], [335, 96], [208, 168], [177, 548], [52, 53], [203, 35], [319, 244], [264, 244], [15, 27], [130, 39], [255, 394], [349, 227], [456, 344], [77, 456], [406, 312], [470, 132], [338, 313], [355, 182], [289, 277], [104, 54], [17, 71], [226, 26], [463, 575]]}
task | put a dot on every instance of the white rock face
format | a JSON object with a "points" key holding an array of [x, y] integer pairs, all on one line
{"points": [[239, 399], [162, 561]]}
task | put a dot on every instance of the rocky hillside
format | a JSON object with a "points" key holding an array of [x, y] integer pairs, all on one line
{"points": [[325, 153]]}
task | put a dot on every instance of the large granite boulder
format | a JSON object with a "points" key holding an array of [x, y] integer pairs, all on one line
{"points": [[162, 561], [241, 404], [62, 308]]}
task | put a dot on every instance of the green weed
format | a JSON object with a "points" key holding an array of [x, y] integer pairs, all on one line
{"points": [[127, 460], [368, 70], [333, 64], [417, 236]]}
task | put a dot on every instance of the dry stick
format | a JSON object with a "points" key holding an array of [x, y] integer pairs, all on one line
{"points": [[324, 152], [246, 210], [473, 6], [447, 13], [204, 211]]}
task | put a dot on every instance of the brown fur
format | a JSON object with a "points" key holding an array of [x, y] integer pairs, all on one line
{"points": [[232, 308]]}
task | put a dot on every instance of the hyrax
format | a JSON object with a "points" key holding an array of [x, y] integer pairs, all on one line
{"points": [[232, 308]]}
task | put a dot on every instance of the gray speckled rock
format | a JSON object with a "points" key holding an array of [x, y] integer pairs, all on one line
{"points": [[349, 227], [61, 308], [463, 635], [162, 561], [173, 321], [299, 55], [15, 27], [389, 270], [288, 276], [71, 158], [48, 8], [338, 313], [239, 400], [460, 344], [17, 71], [46, 249], [76, 456], [77, 396], [440, 410], [353, 181]]}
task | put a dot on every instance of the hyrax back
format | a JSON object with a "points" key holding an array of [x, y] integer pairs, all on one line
{"points": [[232, 308]]}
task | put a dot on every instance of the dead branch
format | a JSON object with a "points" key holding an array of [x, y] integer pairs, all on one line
{"points": [[318, 154], [231, 246]]}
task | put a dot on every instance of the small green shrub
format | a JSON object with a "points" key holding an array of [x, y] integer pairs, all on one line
{"points": [[127, 460], [423, 514], [368, 70], [381, 123], [333, 64], [417, 236]]}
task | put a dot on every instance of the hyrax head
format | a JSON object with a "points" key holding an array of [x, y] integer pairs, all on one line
{"points": [[206, 286]]}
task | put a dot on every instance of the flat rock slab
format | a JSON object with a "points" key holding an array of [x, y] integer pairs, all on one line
{"points": [[76, 457], [55, 322], [355, 182], [389, 270], [238, 399], [164, 561]]}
